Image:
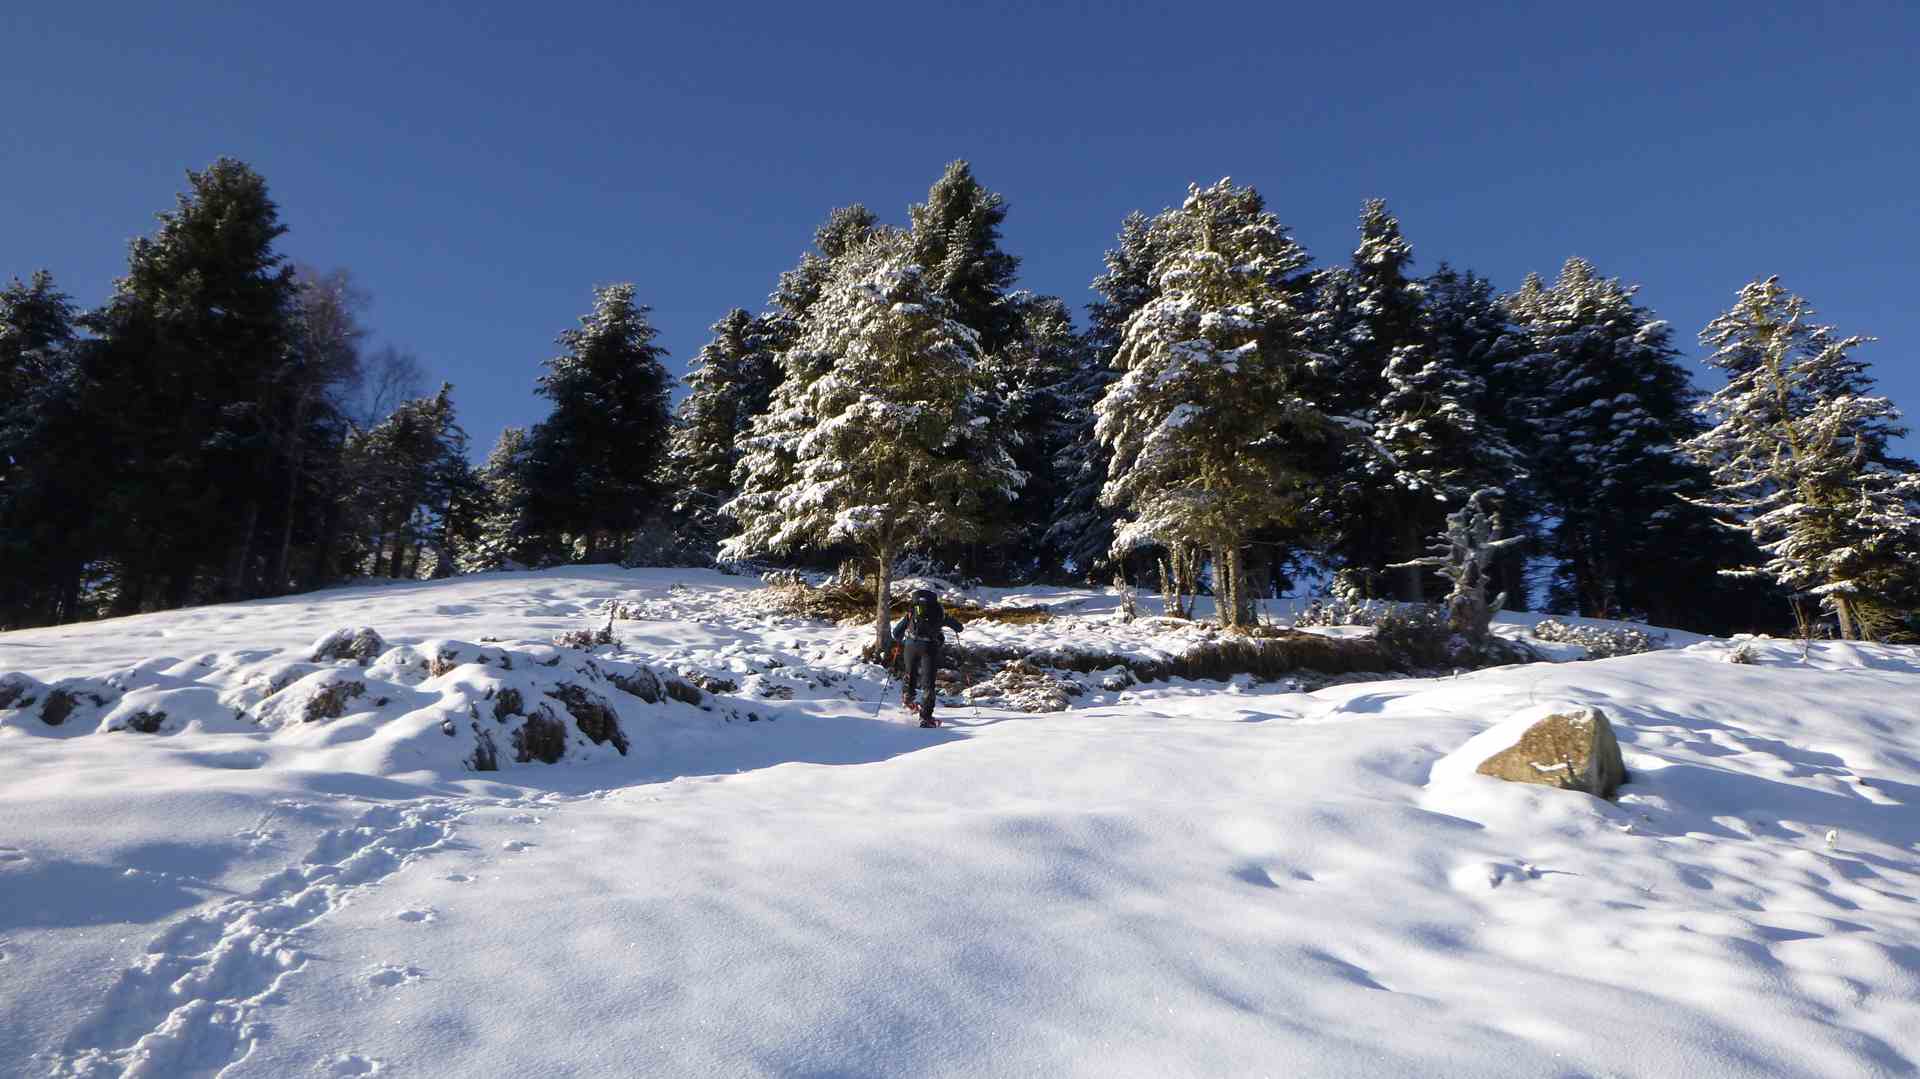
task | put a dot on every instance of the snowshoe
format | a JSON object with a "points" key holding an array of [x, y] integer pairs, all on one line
{"points": [[929, 722]]}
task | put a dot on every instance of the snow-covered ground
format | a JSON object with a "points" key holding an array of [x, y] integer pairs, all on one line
{"points": [[1183, 879]]}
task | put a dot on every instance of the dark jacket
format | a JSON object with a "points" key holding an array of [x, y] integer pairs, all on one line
{"points": [[926, 629]]}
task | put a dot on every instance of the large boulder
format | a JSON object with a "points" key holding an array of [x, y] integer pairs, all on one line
{"points": [[1573, 750]]}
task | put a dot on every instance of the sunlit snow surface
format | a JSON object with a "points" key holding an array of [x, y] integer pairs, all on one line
{"points": [[1180, 879]]}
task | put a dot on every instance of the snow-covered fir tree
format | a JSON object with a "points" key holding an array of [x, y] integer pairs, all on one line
{"points": [[1425, 447], [1465, 328], [863, 444], [1210, 434], [594, 462], [44, 456], [1082, 528], [1035, 378], [503, 539], [1800, 460], [785, 318], [956, 236], [730, 381], [1608, 405]]}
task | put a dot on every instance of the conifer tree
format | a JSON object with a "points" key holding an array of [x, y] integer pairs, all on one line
{"points": [[191, 342], [862, 446], [730, 382], [1800, 460], [1210, 433], [503, 539], [1426, 448], [956, 236], [594, 462], [1034, 377], [1465, 327], [47, 459], [1082, 529], [1609, 404]]}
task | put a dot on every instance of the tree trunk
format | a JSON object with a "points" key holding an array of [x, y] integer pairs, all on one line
{"points": [[322, 569], [1412, 587], [1843, 608], [243, 551], [882, 607]]}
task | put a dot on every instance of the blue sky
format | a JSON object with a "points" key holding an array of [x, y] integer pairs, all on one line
{"points": [[479, 168]]}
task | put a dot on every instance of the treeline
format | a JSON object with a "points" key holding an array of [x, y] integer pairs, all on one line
{"points": [[1230, 418]]}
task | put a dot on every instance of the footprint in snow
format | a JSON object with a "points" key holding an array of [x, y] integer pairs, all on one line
{"points": [[418, 916], [390, 976], [459, 878], [351, 1064], [524, 818], [12, 854], [518, 845]]}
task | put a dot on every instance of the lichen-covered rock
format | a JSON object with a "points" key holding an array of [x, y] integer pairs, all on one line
{"points": [[62, 701], [330, 701], [635, 679], [1573, 750], [360, 644], [145, 721], [485, 756], [591, 713], [508, 703], [543, 737]]}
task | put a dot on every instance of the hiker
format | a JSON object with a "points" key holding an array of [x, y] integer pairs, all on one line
{"points": [[918, 634]]}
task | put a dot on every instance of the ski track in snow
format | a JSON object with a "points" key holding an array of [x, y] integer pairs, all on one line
{"points": [[194, 1003]]}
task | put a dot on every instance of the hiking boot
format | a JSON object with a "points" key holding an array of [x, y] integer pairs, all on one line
{"points": [[906, 698], [929, 722]]}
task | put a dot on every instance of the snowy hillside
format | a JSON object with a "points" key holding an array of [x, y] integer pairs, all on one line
{"points": [[732, 869]]}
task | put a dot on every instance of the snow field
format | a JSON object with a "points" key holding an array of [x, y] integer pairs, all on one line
{"points": [[1183, 879]]}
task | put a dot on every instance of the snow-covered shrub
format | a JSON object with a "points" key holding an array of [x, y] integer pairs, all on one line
{"points": [[1023, 687], [1344, 609], [1743, 653], [1601, 642], [681, 691], [1416, 635], [586, 638]]}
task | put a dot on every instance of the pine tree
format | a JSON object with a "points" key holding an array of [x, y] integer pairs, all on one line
{"points": [[1210, 436], [1034, 378], [594, 462], [844, 230], [1609, 404], [1082, 529], [1800, 460], [46, 457], [1464, 326], [863, 443], [1426, 447], [503, 539], [956, 236], [192, 342], [731, 380]]}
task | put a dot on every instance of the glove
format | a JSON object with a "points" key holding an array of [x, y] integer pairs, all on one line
{"points": [[893, 656]]}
